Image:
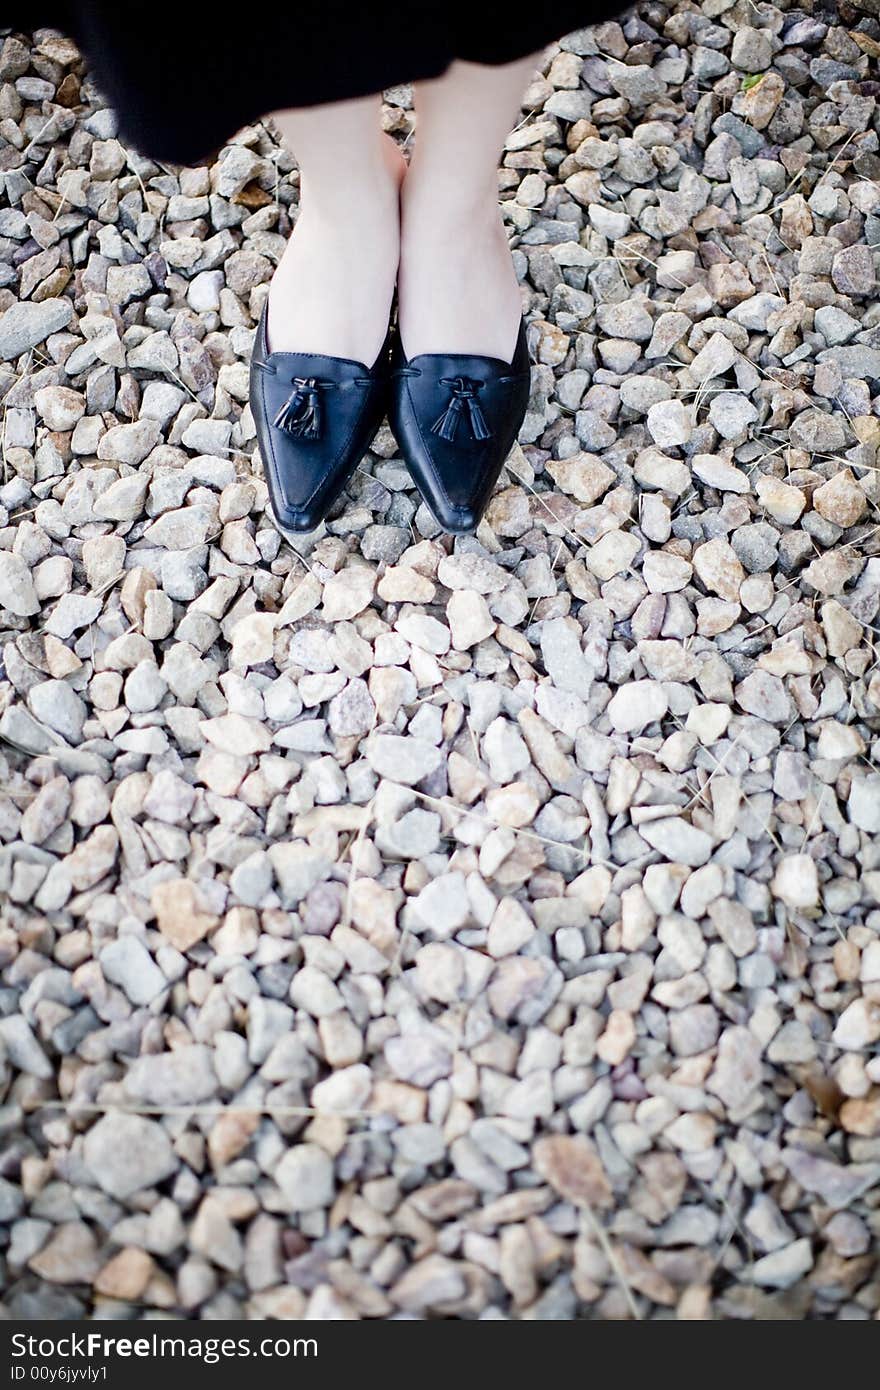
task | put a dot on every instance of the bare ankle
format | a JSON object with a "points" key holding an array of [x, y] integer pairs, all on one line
{"points": [[370, 182], [427, 202]]}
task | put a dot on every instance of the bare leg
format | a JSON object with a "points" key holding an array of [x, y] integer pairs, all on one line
{"points": [[457, 288], [333, 288]]}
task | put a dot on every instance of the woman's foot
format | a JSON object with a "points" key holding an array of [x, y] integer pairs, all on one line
{"points": [[314, 417], [457, 288], [333, 288]]}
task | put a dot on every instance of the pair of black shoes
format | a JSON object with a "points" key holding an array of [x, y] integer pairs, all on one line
{"points": [[454, 417]]}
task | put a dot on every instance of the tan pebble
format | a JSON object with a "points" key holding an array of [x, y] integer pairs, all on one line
{"points": [[229, 1136], [842, 630], [847, 959], [135, 587], [717, 565], [618, 1038], [401, 584], [126, 1275], [841, 500], [780, 500], [515, 805], [180, 913], [695, 1304], [693, 1133], [571, 1164], [862, 1116]]}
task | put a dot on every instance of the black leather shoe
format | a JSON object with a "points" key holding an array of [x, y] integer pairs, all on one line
{"points": [[456, 419], [315, 418]]}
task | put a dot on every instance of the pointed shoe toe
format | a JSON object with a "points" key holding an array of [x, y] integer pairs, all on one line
{"points": [[456, 419], [315, 417]]}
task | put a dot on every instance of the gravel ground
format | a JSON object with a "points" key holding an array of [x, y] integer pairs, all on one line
{"points": [[400, 928]]}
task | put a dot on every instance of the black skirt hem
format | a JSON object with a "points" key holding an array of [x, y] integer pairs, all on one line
{"points": [[181, 87]]}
